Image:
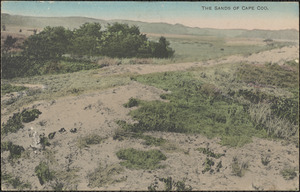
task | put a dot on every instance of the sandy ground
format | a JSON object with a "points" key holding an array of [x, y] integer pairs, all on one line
{"points": [[96, 113]]}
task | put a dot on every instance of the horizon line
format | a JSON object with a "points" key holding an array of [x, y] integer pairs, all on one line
{"points": [[153, 22]]}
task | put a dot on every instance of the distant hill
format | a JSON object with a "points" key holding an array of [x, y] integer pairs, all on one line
{"points": [[158, 28]]}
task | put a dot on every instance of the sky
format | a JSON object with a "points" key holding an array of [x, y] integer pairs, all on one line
{"points": [[223, 15]]}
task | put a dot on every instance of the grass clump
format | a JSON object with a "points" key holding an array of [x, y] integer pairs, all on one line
{"points": [[239, 169], [8, 88], [43, 173], [132, 103], [288, 173], [30, 115], [15, 182], [105, 176], [265, 160], [137, 159], [88, 140], [15, 151], [170, 185]]}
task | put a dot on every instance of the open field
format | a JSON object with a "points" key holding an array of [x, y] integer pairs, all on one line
{"points": [[210, 119]]}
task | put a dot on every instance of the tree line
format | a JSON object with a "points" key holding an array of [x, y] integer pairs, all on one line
{"points": [[117, 40]]}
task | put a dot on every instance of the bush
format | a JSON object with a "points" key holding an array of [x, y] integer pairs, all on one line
{"points": [[132, 103], [15, 182], [14, 123], [15, 151], [30, 115], [43, 173], [136, 159]]}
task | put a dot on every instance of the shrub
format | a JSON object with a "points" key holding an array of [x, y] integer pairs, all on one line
{"points": [[137, 159], [13, 124], [131, 103], [15, 151], [208, 165], [43, 173], [15, 182], [288, 173], [30, 115]]}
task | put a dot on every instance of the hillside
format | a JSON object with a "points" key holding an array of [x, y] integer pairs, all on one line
{"points": [[158, 28]]}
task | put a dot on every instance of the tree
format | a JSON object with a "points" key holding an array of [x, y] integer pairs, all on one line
{"points": [[50, 44], [162, 49], [8, 44], [84, 40], [120, 40]]}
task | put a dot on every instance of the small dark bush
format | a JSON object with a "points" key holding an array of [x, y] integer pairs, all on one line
{"points": [[13, 124], [43, 173], [131, 103], [14, 150], [30, 115]]}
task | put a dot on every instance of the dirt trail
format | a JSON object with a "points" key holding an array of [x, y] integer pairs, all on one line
{"points": [[96, 113]]}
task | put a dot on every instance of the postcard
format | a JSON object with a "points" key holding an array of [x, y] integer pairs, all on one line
{"points": [[149, 96]]}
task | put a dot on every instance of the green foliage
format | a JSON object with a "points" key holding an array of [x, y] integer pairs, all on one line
{"points": [[132, 103], [194, 107], [43, 173], [88, 140], [44, 142], [208, 165], [15, 151], [288, 173], [13, 124], [30, 115], [8, 44], [84, 40], [8, 88], [136, 159], [15, 182], [105, 176], [238, 169], [49, 44], [209, 153]]}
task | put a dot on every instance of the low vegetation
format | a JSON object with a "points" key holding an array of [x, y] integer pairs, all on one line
{"points": [[210, 153], [43, 173], [132, 103], [103, 176], [15, 151], [88, 140], [15, 182], [288, 173], [238, 168], [15, 122], [137, 159], [170, 185], [8, 88]]}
